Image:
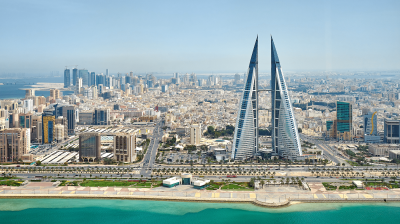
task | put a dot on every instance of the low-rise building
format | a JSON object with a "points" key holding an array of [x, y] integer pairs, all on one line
{"points": [[382, 149], [394, 154], [172, 182]]}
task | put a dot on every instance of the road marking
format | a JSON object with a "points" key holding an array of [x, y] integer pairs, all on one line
{"points": [[61, 192], [197, 195], [216, 195], [368, 196], [72, 192], [252, 195], [315, 196], [324, 196]]}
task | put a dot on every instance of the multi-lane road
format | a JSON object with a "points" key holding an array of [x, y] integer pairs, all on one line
{"points": [[329, 152], [150, 156]]}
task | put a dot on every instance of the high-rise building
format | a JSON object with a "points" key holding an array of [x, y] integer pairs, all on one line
{"points": [[48, 130], [193, 78], [94, 92], [107, 72], [92, 81], [164, 88], [69, 112], [14, 143], [245, 141], [124, 147], [55, 93], [371, 127], [25, 120], [59, 132], [89, 147], [344, 121], [13, 120], [36, 129], [84, 75], [29, 93], [67, 78], [391, 133], [28, 105], [79, 86], [101, 117], [74, 76], [285, 136], [237, 78], [195, 134], [64, 122]]}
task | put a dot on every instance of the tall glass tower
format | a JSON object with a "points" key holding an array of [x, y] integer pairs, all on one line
{"points": [[74, 76], [67, 78], [344, 119], [84, 74], [285, 137], [245, 143]]}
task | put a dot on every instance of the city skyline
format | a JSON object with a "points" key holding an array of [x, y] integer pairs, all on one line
{"points": [[176, 37]]}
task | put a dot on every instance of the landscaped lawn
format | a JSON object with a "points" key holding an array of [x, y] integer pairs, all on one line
{"points": [[93, 183], [328, 186], [347, 187], [235, 187], [68, 183], [10, 183], [7, 178], [213, 186]]}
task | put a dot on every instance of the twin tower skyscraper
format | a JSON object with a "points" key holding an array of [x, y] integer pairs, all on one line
{"points": [[285, 137]]}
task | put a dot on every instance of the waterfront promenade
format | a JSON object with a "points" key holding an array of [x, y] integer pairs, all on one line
{"points": [[269, 196]]}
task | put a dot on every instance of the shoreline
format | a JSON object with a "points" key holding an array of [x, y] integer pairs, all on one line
{"points": [[255, 202]]}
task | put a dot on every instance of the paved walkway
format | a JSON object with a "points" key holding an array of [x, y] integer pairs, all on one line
{"points": [[268, 194]]}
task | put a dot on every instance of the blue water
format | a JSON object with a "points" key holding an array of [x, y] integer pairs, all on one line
{"points": [[87, 211], [16, 91]]}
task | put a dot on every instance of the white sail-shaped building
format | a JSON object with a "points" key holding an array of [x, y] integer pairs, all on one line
{"points": [[245, 142], [285, 137]]}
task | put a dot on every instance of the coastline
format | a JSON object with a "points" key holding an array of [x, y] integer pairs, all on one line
{"points": [[253, 201]]}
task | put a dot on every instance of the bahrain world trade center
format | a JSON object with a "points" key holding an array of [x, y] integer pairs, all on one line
{"points": [[285, 137]]}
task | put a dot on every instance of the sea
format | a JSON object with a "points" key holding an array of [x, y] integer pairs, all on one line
{"points": [[87, 211], [14, 88]]}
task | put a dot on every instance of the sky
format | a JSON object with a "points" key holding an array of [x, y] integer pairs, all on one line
{"points": [[197, 36]]}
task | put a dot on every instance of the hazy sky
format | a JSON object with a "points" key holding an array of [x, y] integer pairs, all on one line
{"points": [[197, 36]]}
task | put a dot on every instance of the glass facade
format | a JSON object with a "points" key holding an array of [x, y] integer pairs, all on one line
{"points": [[245, 143], [84, 74], [67, 78], [370, 123], [88, 146], [285, 137], [74, 76], [185, 181], [344, 116], [391, 131], [329, 125], [48, 131]]}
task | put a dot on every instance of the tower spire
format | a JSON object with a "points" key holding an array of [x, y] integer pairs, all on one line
{"points": [[245, 142]]}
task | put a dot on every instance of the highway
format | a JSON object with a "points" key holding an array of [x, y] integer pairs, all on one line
{"points": [[329, 152], [150, 157]]}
